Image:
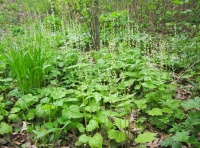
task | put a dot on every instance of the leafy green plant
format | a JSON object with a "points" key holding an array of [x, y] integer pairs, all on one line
{"points": [[106, 98], [189, 125], [53, 23], [29, 63]]}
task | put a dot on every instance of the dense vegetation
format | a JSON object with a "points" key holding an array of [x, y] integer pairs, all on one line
{"points": [[136, 85]]}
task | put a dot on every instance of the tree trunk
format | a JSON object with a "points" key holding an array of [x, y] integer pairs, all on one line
{"points": [[96, 29]]}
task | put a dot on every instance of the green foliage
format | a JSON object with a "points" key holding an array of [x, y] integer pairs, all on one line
{"points": [[190, 125], [5, 128], [94, 142], [190, 104], [99, 97], [145, 137], [117, 135], [29, 63], [52, 23]]}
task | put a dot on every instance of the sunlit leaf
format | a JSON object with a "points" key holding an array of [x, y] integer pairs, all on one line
{"points": [[117, 135], [43, 133], [167, 110], [121, 123], [96, 141], [5, 128], [79, 126], [25, 101], [83, 138], [145, 137], [181, 136], [92, 107], [93, 124], [97, 96], [72, 112], [141, 104], [155, 112], [58, 93], [192, 103]]}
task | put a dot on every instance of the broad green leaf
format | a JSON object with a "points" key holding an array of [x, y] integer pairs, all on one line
{"points": [[129, 82], [96, 141], [49, 108], [93, 124], [31, 114], [186, 11], [145, 137], [191, 103], [49, 125], [130, 74], [196, 122], [97, 96], [80, 127], [171, 103], [121, 86], [15, 110], [43, 133], [92, 106], [141, 104], [112, 134], [101, 117], [167, 110], [108, 125], [83, 138], [72, 112], [137, 87], [69, 91], [177, 145], [45, 100], [58, 102], [148, 85], [13, 117], [165, 76], [26, 101], [1, 96], [5, 128], [117, 135], [100, 87], [70, 99], [101, 63], [39, 111], [121, 137], [58, 93], [181, 136], [126, 103], [121, 123], [167, 142], [44, 92], [1, 117], [110, 113], [155, 112], [111, 98]]}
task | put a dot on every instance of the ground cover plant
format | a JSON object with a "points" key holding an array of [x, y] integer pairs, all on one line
{"points": [[140, 89]]}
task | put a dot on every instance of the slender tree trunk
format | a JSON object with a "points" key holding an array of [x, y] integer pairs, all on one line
{"points": [[96, 26]]}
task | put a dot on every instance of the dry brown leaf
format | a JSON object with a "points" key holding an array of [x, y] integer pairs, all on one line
{"points": [[27, 145], [24, 127], [3, 142], [183, 94], [154, 144], [33, 146]]}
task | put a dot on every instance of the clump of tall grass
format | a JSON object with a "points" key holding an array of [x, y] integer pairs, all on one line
{"points": [[29, 59]]}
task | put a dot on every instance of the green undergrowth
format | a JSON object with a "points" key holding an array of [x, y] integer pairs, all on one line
{"points": [[120, 96], [92, 96], [110, 96]]}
